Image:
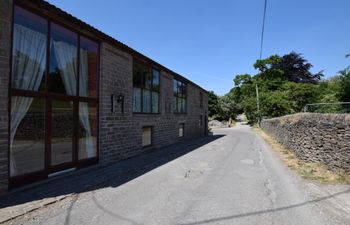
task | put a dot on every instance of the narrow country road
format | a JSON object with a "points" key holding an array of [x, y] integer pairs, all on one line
{"points": [[235, 179]]}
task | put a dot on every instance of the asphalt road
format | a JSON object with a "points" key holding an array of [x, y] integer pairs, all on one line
{"points": [[235, 179]]}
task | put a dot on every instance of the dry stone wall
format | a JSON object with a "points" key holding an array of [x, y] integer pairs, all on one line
{"points": [[314, 137]]}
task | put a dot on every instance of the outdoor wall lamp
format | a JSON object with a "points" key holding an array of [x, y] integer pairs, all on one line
{"points": [[119, 99]]}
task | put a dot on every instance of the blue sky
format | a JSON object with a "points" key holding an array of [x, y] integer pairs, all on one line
{"points": [[210, 41]]}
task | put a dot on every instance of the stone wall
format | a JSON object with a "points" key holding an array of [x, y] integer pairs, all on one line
{"points": [[5, 43], [314, 137], [121, 132]]}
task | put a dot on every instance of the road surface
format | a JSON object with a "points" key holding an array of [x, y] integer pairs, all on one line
{"points": [[235, 179]]}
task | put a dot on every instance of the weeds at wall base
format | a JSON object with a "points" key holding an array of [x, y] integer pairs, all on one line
{"points": [[306, 170]]}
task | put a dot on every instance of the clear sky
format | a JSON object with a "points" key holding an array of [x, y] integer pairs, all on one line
{"points": [[211, 41]]}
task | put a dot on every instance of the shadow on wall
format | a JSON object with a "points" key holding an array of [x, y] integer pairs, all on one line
{"points": [[111, 175]]}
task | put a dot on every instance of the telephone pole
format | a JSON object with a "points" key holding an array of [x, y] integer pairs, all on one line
{"points": [[261, 51]]}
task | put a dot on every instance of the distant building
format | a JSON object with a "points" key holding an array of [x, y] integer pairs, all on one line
{"points": [[71, 96]]}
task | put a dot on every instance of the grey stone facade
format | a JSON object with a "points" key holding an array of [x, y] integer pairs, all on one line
{"points": [[5, 46], [314, 137], [120, 131]]}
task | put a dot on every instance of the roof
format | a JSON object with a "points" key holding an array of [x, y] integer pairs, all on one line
{"points": [[52, 9]]}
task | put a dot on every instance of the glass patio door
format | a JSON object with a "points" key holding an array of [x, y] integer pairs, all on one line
{"points": [[62, 135], [54, 99]]}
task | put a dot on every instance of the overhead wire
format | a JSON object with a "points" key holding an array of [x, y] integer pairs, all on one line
{"points": [[263, 30]]}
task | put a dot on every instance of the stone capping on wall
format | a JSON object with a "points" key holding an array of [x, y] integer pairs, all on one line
{"points": [[314, 137]]}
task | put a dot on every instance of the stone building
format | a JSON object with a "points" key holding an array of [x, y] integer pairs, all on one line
{"points": [[72, 96]]}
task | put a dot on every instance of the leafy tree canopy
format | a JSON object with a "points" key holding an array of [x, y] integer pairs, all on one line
{"points": [[292, 66], [285, 85]]}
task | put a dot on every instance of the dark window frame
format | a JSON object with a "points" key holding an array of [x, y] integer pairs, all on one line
{"points": [[48, 97], [180, 94], [142, 87]]}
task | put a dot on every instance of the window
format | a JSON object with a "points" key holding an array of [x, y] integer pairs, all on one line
{"points": [[62, 132], [27, 135], [68, 95], [63, 60], [179, 104], [201, 99], [88, 80], [87, 130], [146, 136], [29, 51], [181, 129], [146, 88]]}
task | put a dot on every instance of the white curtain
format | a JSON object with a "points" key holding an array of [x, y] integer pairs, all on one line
{"points": [[84, 118], [66, 57], [146, 101], [29, 54], [136, 100], [83, 106]]}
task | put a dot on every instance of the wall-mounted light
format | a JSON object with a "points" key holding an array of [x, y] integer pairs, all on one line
{"points": [[119, 99]]}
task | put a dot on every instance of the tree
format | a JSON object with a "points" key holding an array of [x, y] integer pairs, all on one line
{"points": [[213, 104], [330, 90], [297, 69], [228, 107], [264, 65], [285, 84], [344, 77], [250, 109], [274, 104], [299, 95], [292, 66], [269, 78], [241, 79]]}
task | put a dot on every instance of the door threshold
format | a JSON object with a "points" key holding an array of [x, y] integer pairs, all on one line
{"points": [[61, 172]]}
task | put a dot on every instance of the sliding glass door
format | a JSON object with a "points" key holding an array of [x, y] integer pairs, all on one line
{"points": [[27, 135], [54, 97], [62, 132]]}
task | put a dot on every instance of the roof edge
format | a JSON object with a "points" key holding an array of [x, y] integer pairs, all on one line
{"points": [[41, 4]]}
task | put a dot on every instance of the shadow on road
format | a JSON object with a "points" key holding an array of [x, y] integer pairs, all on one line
{"points": [[272, 210], [111, 175]]}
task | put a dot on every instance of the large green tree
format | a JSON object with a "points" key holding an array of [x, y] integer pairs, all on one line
{"points": [[285, 85], [213, 104], [292, 67], [297, 69]]}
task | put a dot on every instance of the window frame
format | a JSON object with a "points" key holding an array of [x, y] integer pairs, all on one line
{"points": [[49, 96], [150, 69], [179, 94]]}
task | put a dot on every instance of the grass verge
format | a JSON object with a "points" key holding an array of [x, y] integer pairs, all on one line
{"points": [[307, 170]]}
